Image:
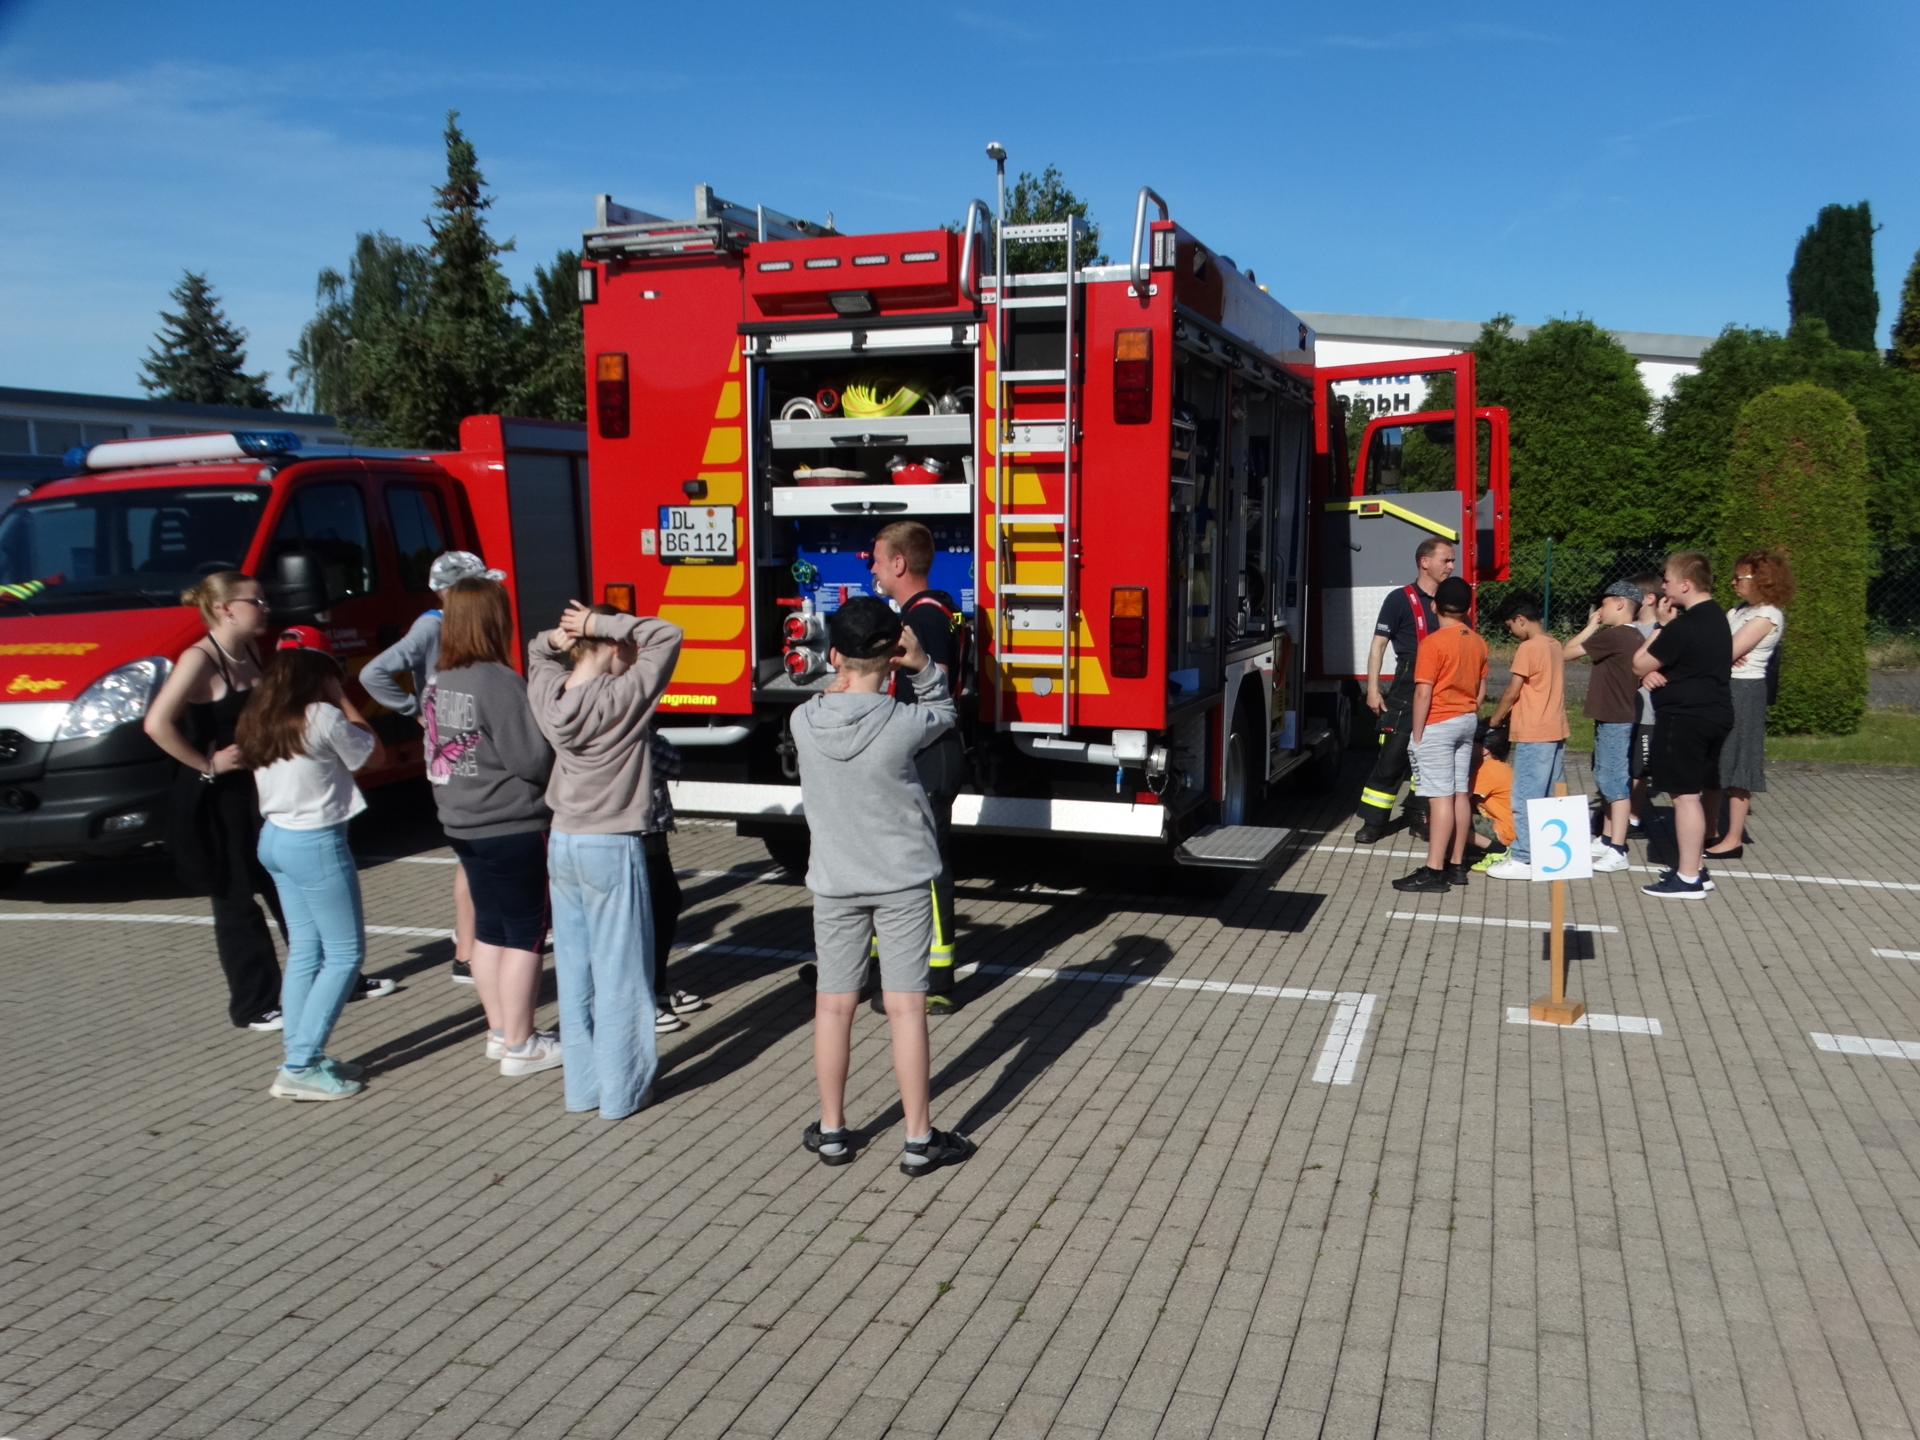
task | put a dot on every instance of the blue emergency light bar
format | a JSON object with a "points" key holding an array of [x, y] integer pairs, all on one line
{"points": [[183, 449]]}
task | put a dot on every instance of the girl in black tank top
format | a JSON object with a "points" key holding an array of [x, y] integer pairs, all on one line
{"points": [[213, 819]]}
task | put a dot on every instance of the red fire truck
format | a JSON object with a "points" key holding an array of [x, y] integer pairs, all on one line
{"points": [[1137, 479], [92, 566]]}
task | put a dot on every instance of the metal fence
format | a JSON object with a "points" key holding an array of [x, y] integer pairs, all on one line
{"points": [[1568, 581]]}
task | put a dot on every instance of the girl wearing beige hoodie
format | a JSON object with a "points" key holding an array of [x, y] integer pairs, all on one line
{"points": [[593, 683]]}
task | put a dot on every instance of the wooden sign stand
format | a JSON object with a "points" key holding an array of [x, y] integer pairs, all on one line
{"points": [[1554, 1007]]}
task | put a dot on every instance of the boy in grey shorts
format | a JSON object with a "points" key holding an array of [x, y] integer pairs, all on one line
{"points": [[873, 864]]}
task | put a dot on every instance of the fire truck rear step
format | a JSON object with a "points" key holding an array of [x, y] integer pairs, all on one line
{"points": [[1232, 847]]}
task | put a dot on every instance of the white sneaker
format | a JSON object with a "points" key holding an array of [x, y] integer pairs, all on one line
{"points": [[684, 1002], [496, 1044], [1511, 869], [541, 1052], [665, 1022], [1600, 847], [272, 1020], [1607, 858]]}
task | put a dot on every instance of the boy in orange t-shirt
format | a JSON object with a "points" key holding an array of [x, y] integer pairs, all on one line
{"points": [[1536, 699], [1449, 680], [1493, 797]]}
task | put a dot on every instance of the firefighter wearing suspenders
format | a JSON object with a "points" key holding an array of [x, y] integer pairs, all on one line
{"points": [[1406, 617], [902, 557]]}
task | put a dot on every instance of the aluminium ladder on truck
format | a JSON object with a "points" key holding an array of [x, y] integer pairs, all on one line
{"points": [[1049, 439]]}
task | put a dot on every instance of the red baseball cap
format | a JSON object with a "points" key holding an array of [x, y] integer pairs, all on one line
{"points": [[305, 637]]}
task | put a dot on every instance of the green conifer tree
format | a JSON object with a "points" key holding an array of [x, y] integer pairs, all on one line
{"points": [[201, 357], [1832, 276], [1906, 325], [1797, 485]]}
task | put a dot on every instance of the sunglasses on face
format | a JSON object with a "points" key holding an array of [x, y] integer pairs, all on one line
{"points": [[251, 600]]}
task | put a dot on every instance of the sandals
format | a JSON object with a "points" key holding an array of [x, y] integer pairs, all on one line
{"points": [[834, 1147]]}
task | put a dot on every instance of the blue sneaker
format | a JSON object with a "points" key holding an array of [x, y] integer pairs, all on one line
{"points": [[345, 1069], [1671, 887], [316, 1082]]}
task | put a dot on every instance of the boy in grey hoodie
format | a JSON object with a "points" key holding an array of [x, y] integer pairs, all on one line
{"points": [[873, 862]]}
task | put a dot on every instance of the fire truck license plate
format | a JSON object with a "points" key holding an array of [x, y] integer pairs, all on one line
{"points": [[696, 535]]}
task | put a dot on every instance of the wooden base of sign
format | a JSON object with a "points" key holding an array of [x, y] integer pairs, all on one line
{"points": [[1556, 1011], [1554, 1007]]}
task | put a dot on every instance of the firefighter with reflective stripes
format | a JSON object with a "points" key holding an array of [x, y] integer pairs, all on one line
{"points": [[901, 561], [1406, 617]]}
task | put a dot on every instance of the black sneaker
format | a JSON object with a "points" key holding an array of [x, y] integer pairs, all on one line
{"points": [[372, 987], [462, 973], [1458, 871], [940, 1005], [1671, 887], [943, 1147], [834, 1147], [1371, 833], [1424, 881]]}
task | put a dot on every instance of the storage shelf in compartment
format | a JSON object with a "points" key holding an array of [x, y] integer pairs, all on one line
{"points": [[907, 430], [873, 499]]}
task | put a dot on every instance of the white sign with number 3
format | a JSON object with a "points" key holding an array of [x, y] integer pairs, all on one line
{"points": [[1559, 834]]}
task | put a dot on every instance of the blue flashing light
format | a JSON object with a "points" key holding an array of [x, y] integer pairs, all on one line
{"points": [[262, 443], [76, 457]]}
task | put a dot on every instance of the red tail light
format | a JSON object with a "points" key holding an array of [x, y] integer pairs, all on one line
{"points": [[1133, 377], [610, 396], [1127, 630]]}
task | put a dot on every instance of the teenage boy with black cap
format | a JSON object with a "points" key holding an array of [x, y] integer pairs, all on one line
{"points": [[872, 866]]}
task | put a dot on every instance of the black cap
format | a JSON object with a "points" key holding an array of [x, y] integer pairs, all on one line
{"points": [[1453, 595], [864, 628]]}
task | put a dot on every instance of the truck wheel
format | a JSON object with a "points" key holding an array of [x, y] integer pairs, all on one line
{"points": [[790, 852], [1237, 793]]}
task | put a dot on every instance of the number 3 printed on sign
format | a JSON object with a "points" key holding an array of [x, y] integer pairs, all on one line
{"points": [[1558, 827]]}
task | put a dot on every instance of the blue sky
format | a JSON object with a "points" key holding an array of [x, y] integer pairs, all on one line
{"points": [[1649, 165]]}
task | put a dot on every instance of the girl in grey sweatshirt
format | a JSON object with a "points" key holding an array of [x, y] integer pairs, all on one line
{"points": [[593, 684]]}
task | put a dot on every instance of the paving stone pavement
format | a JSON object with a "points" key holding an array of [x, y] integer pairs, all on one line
{"points": [[1171, 1228]]}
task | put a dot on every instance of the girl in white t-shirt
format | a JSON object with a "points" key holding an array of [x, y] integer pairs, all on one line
{"points": [[1764, 584], [303, 739]]}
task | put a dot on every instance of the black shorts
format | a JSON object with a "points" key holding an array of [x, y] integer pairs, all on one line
{"points": [[1640, 753], [507, 877], [1686, 754]]}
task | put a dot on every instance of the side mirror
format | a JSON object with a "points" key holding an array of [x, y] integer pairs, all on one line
{"points": [[297, 586]]}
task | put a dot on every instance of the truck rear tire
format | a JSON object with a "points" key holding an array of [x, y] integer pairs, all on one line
{"points": [[1239, 793], [790, 852]]}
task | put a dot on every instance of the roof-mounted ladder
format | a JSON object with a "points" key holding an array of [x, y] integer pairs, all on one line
{"points": [[1047, 438]]}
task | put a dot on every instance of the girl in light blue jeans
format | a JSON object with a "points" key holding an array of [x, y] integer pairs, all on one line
{"points": [[303, 738], [593, 683]]}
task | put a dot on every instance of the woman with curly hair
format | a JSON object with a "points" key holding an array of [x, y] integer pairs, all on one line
{"points": [[1764, 584]]}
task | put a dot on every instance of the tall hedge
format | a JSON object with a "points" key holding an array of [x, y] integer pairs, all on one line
{"points": [[1797, 484]]}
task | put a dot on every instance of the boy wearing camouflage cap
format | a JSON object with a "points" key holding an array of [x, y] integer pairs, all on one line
{"points": [[874, 857]]}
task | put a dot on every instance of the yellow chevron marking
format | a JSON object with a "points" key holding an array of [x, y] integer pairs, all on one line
{"points": [[729, 406], [707, 622], [709, 667], [705, 580], [723, 486], [723, 446]]}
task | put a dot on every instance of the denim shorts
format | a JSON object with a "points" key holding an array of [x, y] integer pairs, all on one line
{"points": [[507, 877], [1612, 743]]}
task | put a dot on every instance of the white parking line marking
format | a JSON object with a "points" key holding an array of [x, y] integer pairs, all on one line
{"points": [[1861, 1045], [1489, 920], [1841, 880], [1622, 1024], [1346, 1037], [1898, 954], [1352, 1015]]}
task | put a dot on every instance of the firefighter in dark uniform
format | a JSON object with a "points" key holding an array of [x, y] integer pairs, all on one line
{"points": [[902, 558], [1405, 618]]}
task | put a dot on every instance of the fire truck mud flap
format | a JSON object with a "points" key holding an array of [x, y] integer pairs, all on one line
{"points": [[981, 814], [1232, 847]]}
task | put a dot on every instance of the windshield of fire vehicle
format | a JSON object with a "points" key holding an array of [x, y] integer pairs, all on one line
{"points": [[114, 549]]}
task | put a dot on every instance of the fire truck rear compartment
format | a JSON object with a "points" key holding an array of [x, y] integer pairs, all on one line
{"points": [[827, 481]]}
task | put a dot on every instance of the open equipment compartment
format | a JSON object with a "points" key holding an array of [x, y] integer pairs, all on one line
{"points": [[825, 482]]}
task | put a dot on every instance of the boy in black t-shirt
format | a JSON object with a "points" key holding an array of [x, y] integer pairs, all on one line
{"points": [[1689, 664]]}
